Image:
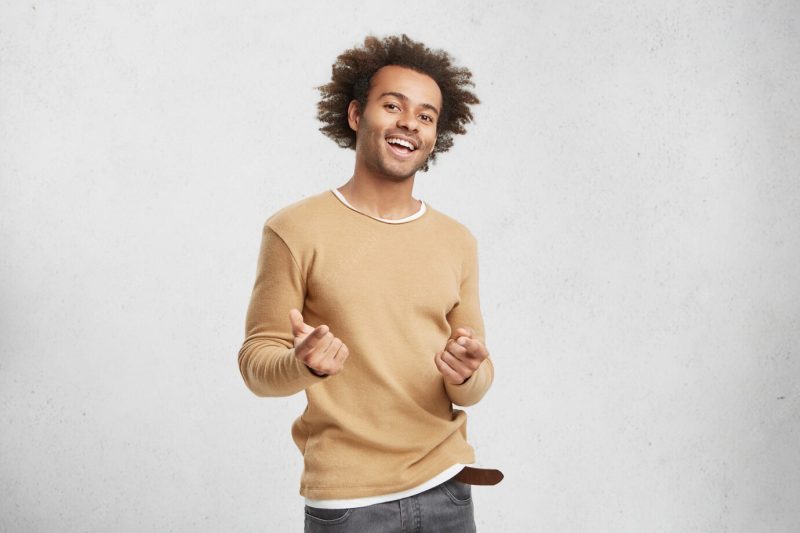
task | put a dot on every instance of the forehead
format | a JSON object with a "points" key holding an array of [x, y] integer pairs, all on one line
{"points": [[419, 88]]}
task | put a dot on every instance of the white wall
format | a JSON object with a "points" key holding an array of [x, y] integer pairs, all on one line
{"points": [[632, 178]]}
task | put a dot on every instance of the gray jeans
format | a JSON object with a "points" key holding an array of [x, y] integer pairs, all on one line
{"points": [[442, 509]]}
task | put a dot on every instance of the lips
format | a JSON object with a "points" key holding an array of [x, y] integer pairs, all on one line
{"points": [[401, 145], [402, 141], [400, 151]]}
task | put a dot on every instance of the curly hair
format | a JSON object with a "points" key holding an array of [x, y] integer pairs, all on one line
{"points": [[352, 75]]}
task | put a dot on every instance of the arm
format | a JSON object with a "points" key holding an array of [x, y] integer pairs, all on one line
{"points": [[267, 359], [467, 315]]}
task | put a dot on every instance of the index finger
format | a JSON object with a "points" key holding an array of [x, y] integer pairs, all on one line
{"points": [[315, 336]]}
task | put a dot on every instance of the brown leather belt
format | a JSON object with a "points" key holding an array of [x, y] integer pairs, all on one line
{"points": [[479, 476]]}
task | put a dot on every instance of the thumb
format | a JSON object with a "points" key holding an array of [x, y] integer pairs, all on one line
{"points": [[463, 331], [299, 327]]}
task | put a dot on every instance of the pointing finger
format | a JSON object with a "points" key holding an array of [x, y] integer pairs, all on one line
{"points": [[316, 336], [464, 349], [456, 348]]}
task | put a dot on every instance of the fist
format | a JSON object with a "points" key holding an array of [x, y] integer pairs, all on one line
{"points": [[317, 348], [461, 357]]}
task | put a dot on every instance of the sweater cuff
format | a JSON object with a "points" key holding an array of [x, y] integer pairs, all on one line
{"points": [[305, 374], [474, 388], [277, 374]]}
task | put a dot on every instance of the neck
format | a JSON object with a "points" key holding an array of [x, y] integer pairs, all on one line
{"points": [[381, 197]]}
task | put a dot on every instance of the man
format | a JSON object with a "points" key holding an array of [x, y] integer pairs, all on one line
{"points": [[367, 299]]}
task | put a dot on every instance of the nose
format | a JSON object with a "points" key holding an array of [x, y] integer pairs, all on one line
{"points": [[407, 120]]}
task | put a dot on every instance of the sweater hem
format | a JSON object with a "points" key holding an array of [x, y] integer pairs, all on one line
{"points": [[364, 491]]}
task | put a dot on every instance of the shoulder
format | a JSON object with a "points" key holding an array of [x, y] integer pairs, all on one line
{"points": [[298, 216], [452, 228]]}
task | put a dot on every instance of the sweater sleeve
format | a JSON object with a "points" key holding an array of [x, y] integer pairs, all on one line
{"points": [[266, 358], [467, 313]]}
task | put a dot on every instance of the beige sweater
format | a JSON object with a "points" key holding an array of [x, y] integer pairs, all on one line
{"points": [[393, 293]]}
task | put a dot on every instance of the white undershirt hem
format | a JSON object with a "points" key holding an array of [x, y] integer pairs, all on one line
{"points": [[372, 500]]}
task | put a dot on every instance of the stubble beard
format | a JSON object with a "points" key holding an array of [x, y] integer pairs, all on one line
{"points": [[380, 162], [381, 167]]}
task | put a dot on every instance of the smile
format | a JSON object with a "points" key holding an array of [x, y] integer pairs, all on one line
{"points": [[401, 147]]}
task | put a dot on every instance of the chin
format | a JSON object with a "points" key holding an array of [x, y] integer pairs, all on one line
{"points": [[401, 175], [396, 173]]}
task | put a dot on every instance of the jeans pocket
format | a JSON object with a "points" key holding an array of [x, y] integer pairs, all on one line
{"points": [[459, 493], [327, 516]]}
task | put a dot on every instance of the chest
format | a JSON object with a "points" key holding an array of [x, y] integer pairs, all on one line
{"points": [[400, 275]]}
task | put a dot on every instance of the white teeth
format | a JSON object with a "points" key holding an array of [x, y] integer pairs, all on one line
{"points": [[401, 142]]}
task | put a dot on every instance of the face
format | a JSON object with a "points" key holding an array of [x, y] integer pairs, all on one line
{"points": [[396, 131]]}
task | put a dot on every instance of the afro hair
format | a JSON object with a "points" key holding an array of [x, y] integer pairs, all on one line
{"points": [[352, 75]]}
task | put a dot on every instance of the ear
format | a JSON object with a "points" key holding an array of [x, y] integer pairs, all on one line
{"points": [[353, 115]]}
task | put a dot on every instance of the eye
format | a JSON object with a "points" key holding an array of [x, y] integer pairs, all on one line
{"points": [[426, 118], [391, 107]]}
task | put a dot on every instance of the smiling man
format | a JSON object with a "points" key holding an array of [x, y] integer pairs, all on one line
{"points": [[366, 299]]}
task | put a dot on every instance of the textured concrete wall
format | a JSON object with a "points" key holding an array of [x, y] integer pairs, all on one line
{"points": [[632, 178]]}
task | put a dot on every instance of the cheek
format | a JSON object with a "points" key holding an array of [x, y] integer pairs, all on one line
{"points": [[432, 145]]}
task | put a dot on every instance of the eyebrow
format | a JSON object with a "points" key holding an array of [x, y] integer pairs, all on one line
{"points": [[404, 98]]}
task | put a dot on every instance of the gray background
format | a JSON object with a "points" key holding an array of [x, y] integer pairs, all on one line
{"points": [[632, 178]]}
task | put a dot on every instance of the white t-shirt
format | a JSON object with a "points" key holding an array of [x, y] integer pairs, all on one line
{"points": [[409, 218]]}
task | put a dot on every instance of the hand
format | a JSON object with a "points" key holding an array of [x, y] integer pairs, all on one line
{"points": [[317, 348], [461, 357]]}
